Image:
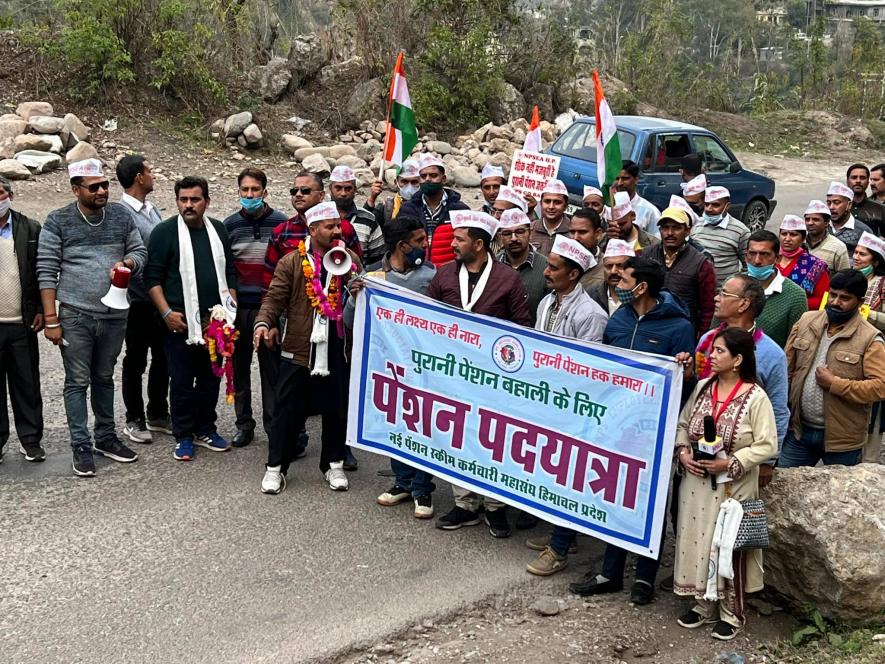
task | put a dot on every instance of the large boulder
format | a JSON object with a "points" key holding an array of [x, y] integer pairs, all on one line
{"points": [[7, 148], [828, 540], [303, 153], [292, 142], [338, 151], [39, 161], [46, 124], [81, 151], [346, 69], [252, 135], [10, 128], [508, 105], [236, 123], [354, 162], [369, 150], [14, 170], [30, 108], [74, 126], [40, 142], [440, 147], [272, 80], [307, 57], [316, 163], [368, 99], [465, 176]]}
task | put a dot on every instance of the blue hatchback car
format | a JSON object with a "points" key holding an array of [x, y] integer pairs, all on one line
{"points": [[658, 146]]}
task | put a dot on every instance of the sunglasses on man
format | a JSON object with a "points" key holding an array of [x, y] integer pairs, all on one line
{"points": [[304, 191], [95, 186]]}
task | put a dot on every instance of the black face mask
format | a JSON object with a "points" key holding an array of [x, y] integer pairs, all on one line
{"points": [[698, 208], [431, 187], [837, 317]]}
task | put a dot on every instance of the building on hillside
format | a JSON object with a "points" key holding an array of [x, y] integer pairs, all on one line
{"points": [[847, 10], [772, 16]]}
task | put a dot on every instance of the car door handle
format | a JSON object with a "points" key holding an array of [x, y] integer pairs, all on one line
{"points": [[662, 183], [577, 176]]}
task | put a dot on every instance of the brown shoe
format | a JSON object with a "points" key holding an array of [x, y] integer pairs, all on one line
{"points": [[548, 563], [541, 543]]}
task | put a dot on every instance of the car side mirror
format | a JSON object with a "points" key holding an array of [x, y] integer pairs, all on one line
{"points": [[734, 167]]}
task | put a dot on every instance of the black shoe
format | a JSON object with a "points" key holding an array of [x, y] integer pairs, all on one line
{"points": [[457, 518], [112, 448], [526, 521], [243, 438], [724, 631], [693, 620], [32, 451], [667, 584], [350, 462], [84, 464], [642, 593], [497, 522], [590, 586]]}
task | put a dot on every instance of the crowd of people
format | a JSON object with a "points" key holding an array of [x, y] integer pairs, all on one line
{"points": [[779, 335]]}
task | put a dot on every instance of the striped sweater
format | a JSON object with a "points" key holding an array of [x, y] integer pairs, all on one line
{"points": [[249, 237], [727, 244]]}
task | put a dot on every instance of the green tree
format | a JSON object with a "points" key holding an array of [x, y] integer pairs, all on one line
{"points": [[861, 83]]}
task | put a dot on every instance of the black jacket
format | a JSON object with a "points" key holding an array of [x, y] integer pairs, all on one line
{"points": [[25, 236]]}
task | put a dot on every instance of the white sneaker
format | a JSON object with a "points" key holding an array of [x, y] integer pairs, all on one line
{"points": [[274, 481], [336, 478]]}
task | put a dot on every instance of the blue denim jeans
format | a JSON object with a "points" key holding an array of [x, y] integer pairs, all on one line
{"points": [[89, 358], [417, 482], [809, 449], [561, 539]]}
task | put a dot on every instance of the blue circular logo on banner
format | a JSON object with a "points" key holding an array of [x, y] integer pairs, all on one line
{"points": [[508, 353]]}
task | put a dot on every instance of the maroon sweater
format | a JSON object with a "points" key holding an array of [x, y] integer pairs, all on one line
{"points": [[504, 296]]}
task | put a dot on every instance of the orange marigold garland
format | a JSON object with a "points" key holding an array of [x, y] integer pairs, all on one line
{"points": [[328, 304], [220, 338]]}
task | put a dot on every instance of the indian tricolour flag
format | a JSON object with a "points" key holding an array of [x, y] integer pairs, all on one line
{"points": [[533, 137], [608, 148], [402, 135]]}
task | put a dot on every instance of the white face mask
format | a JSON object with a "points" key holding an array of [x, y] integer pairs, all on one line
{"points": [[408, 190], [4, 207]]}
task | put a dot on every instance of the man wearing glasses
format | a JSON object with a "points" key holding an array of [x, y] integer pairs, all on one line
{"points": [[306, 192], [80, 247], [514, 230]]}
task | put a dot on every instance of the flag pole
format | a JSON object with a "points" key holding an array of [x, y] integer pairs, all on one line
{"points": [[399, 58]]}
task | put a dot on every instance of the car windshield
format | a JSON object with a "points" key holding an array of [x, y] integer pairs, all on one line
{"points": [[579, 141]]}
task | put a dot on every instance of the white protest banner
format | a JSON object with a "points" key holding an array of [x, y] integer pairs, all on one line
{"points": [[529, 172], [578, 434]]}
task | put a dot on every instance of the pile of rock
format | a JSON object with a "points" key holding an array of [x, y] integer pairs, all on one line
{"points": [[33, 140], [237, 129], [361, 150]]}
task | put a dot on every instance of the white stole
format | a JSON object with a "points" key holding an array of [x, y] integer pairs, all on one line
{"points": [[319, 333], [188, 272], [468, 304]]}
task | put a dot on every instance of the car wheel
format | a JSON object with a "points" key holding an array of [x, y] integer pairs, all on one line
{"points": [[755, 215]]}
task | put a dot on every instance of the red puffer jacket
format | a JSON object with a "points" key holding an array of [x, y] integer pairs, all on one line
{"points": [[441, 239], [441, 244]]}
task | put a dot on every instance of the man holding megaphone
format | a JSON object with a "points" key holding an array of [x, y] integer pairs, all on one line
{"points": [[309, 285]]}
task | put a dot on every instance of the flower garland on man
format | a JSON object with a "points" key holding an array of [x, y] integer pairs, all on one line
{"points": [[314, 370]]}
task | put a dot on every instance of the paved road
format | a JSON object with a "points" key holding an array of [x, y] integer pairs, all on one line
{"points": [[161, 561]]}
